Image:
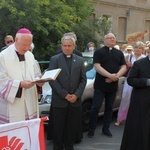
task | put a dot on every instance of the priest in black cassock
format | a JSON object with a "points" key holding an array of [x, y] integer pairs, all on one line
{"points": [[136, 134]]}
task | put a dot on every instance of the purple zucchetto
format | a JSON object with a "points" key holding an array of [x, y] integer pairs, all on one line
{"points": [[24, 31]]}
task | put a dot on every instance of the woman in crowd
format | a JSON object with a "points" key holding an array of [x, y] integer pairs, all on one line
{"points": [[125, 102], [90, 47]]}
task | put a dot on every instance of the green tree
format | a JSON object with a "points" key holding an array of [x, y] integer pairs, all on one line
{"points": [[47, 19], [86, 32], [92, 30], [103, 26]]}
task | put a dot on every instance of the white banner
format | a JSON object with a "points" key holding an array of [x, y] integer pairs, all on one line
{"points": [[22, 135]]}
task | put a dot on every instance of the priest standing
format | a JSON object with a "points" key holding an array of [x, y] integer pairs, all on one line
{"points": [[18, 95]]}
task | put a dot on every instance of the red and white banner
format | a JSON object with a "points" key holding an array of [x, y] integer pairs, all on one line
{"points": [[24, 135]]}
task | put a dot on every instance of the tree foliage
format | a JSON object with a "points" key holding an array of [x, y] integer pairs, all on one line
{"points": [[103, 26], [86, 32], [48, 20]]}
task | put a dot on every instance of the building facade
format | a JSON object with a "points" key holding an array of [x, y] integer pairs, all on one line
{"points": [[130, 19]]}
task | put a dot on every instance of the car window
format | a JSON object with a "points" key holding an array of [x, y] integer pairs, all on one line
{"points": [[90, 70], [88, 63]]}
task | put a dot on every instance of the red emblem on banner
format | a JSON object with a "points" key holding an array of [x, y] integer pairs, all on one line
{"points": [[14, 143]]}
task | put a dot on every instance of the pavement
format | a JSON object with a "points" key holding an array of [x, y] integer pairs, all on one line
{"points": [[99, 141]]}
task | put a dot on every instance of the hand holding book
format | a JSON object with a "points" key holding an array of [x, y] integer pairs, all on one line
{"points": [[48, 75]]}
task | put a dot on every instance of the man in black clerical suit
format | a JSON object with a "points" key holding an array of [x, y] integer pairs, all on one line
{"points": [[110, 65], [66, 94], [136, 134]]}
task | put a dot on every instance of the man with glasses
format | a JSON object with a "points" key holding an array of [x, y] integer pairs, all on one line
{"points": [[8, 41], [110, 65]]}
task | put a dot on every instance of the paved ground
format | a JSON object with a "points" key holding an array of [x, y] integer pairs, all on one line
{"points": [[99, 141]]}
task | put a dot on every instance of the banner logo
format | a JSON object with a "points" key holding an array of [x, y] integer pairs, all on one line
{"points": [[14, 143], [15, 139]]}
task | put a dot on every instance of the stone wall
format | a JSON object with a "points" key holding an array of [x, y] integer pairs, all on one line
{"points": [[128, 17]]}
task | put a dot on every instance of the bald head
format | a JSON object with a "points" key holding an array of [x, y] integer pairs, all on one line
{"points": [[110, 40]]}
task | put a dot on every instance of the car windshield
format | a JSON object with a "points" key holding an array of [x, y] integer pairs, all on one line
{"points": [[88, 63], [90, 70]]}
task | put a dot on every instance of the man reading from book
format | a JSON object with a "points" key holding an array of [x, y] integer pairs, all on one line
{"points": [[18, 95]]}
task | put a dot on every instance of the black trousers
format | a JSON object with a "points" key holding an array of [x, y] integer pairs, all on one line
{"points": [[99, 97], [65, 126]]}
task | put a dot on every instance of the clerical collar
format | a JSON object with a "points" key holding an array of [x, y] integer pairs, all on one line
{"points": [[68, 56], [110, 48]]}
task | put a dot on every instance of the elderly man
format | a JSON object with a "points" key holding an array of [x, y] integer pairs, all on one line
{"points": [[18, 95], [110, 65], [66, 94]]}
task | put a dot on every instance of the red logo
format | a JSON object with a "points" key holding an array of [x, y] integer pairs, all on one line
{"points": [[14, 143]]}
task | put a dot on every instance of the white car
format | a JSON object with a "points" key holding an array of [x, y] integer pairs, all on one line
{"points": [[44, 104], [45, 101]]}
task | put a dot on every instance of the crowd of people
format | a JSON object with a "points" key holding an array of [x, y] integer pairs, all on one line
{"points": [[19, 95], [134, 54]]}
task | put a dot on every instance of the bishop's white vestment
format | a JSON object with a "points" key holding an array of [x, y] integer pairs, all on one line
{"points": [[12, 72]]}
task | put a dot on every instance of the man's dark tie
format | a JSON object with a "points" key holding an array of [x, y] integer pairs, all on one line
{"points": [[21, 57]]}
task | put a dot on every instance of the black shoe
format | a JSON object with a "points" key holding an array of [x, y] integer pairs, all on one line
{"points": [[90, 134], [107, 132]]}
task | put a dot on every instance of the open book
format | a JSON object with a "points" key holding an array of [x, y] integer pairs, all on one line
{"points": [[48, 75]]}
